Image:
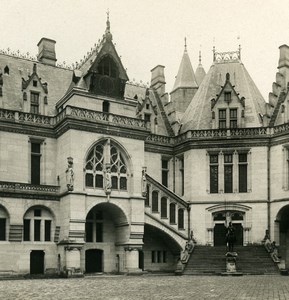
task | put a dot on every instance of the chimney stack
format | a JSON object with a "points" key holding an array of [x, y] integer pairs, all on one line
{"points": [[46, 51], [283, 64], [158, 79]]}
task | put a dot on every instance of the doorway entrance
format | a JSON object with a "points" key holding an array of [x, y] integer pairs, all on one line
{"points": [[93, 261], [37, 262]]}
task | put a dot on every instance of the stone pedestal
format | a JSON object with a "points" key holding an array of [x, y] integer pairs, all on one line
{"points": [[231, 264], [71, 251], [132, 260]]}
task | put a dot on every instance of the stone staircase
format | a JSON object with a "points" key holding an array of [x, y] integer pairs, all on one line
{"points": [[207, 260]]}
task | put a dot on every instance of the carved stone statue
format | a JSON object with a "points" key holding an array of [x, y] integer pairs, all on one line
{"points": [[107, 184], [144, 183], [70, 174]]}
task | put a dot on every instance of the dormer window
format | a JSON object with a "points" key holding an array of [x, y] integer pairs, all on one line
{"points": [[107, 67], [227, 96], [147, 106], [35, 83], [34, 103], [222, 119], [105, 107], [233, 118]]}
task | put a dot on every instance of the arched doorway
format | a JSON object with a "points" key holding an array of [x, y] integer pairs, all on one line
{"points": [[37, 262], [221, 220], [94, 261], [281, 234]]}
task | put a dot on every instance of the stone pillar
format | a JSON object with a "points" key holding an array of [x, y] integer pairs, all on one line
{"points": [[210, 240], [72, 259], [132, 260]]}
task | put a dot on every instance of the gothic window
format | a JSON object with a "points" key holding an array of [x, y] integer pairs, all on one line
{"points": [[24, 96], [243, 178], [37, 225], [181, 218], [155, 201], [165, 172], [34, 103], [164, 207], [222, 118], [107, 67], [102, 154], [172, 213], [233, 118], [228, 173], [214, 173], [6, 70], [94, 227]]}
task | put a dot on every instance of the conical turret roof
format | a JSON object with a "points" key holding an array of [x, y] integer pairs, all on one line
{"points": [[186, 76], [198, 114], [200, 71]]}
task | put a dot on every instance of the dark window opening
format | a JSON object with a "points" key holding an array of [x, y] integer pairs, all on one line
{"points": [[99, 231], [227, 96], [243, 173], [172, 213], [107, 67], [47, 230], [26, 230], [164, 207], [34, 103], [105, 106], [165, 172], [2, 229], [35, 163], [37, 212], [155, 201], [6, 70], [88, 232], [233, 118], [147, 200], [35, 83], [228, 173], [214, 173], [147, 117], [181, 218], [37, 225]]}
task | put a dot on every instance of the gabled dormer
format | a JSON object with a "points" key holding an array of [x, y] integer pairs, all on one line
{"points": [[35, 93], [147, 111], [106, 74], [228, 109]]}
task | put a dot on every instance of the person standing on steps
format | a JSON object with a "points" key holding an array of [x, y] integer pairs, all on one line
{"points": [[230, 237]]}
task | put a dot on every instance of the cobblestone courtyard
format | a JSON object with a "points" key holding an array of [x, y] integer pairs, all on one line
{"points": [[148, 287]]}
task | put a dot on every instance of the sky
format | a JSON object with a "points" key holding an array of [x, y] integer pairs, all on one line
{"points": [[151, 32]]}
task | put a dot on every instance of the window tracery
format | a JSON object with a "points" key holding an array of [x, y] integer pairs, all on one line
{"points": [[103, 154]]}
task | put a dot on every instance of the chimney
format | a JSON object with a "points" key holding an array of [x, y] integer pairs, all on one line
{"points": [[158, 79], [46, 51], [283, 64]]}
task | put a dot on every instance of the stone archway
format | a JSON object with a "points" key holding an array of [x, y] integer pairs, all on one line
{"points": [[218, 218], [281, 232], [107, 232]]}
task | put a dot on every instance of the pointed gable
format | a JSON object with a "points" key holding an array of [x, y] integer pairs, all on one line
{"points": [[199, 115]]}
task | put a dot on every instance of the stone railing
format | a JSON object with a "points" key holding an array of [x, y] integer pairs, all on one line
{"points": [[74, 112], [6, 186]]}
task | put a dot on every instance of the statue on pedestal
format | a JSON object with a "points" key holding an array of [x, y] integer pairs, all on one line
{"points": [[107, 183], [70, 174], [144, 182]]}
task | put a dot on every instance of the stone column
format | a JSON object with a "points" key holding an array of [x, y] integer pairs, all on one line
{"points": [[210, 236], [132, 260], [72, 260]]}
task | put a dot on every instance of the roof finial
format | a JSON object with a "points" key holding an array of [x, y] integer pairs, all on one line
{"points": [[200, 56], [107, 22], [185, 43], [238, 38]]}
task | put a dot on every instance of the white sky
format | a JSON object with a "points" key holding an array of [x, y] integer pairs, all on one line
{"points": [[151, 32]]}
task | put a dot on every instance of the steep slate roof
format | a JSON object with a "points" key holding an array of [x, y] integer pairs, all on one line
{"points": [[186, 76], [198, 113], [58, 81]]}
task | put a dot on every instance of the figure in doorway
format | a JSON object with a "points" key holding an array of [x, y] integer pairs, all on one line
{"points": [[230, 237]]}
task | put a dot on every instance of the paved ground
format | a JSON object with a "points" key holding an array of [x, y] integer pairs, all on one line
{"points": [[148, 287]]}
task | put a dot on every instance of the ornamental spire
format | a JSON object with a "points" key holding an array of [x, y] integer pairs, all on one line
{"points": [[108, 35], [185, 43]]}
